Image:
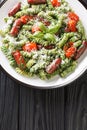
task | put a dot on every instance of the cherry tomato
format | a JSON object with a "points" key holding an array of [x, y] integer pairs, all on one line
{"points": [[19, 59], [67, 46], [72, 25], [73, 16], [70, 52], [31, 46], [24, 19], [35, 28], [55, 3]]}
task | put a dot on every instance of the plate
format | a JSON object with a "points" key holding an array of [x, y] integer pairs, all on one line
{"points": [[56, 81]]}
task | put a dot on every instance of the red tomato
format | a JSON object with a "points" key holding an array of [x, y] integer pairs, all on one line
{"points": [[55, 3], [72, 25], [70, 52], [67, 46], [73, 16], [19, 59], [31, 46], [24, 19], [35, 28]]}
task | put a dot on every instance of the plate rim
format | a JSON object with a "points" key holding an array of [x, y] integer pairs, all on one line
{"points": [[48, 86], [39, 87]]}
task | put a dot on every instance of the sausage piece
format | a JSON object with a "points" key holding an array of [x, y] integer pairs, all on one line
{"points": [[17, 23], [81, 50], [16, 26], [39, 46], [36, 1], [53, 66], [49, 47], [15, 9]]}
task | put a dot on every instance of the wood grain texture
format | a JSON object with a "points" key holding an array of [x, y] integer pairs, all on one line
{"points": [[30, 109], [8, 103], [76, 104], [41, 108]]}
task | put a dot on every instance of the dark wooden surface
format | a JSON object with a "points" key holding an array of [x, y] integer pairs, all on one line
{"points": [[23, 108]]}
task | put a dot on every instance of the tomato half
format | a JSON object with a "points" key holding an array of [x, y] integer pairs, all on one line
{"points": [[24, 19], [70, 52], [31, 46], [67, 46], [73, 16], [72, 25], [55, 3]]}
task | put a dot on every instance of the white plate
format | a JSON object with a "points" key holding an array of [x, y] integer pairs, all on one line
{"points": [[57, 81]]}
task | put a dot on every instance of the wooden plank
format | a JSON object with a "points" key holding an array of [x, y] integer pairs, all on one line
{"points": [[41, 110], [76, 104], [8, 103]]}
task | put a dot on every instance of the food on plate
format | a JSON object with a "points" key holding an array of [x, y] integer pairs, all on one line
{"points": [[43, 38]]}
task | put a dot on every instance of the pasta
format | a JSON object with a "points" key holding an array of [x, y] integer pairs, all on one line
{"points": [[43, 39]]}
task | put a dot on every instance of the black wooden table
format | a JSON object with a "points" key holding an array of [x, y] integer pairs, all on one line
{"points": [[23, 108]]}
